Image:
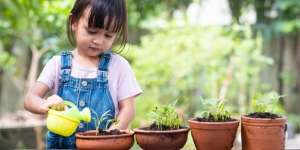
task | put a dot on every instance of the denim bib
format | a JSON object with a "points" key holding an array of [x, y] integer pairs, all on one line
{"points": [[84, 92]]}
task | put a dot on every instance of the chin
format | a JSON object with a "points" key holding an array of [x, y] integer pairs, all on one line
{"points": [[95, 53]]}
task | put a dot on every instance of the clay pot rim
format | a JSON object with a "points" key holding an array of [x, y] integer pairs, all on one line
{"points": [[81, 135], [244, 118], [280, 118], [140, 130], [193, 120]]}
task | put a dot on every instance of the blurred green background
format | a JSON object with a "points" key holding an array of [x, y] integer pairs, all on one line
{"points": [[178, 49]]}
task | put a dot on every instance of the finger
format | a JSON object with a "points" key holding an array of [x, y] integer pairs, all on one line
{"points": [[58, 107], [62, 106], [53, 107]]}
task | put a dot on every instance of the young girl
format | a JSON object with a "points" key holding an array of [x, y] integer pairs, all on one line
{"points": [[91, 75]]}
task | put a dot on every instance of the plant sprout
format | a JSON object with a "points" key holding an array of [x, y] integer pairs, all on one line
{"points": [[265, 102], [214, 109], [102, 118], [166, 116]]}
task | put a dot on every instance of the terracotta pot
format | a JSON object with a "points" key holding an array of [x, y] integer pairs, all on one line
{"points": [[161, 140], [89, 140], [263, 133], [213, 135]]}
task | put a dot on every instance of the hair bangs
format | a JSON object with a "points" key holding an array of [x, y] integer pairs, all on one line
{"points": [[106, 15]]}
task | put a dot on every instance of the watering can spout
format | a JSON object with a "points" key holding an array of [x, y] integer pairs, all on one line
{"points": [[73, 112]]}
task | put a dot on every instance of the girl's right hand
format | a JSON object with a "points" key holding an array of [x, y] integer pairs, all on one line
{"points": [[53, 102]]}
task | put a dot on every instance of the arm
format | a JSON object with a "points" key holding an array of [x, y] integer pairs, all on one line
{"points": [[34, 101], [126, 113]]}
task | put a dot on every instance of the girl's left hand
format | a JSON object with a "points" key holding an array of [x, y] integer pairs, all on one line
{"points": [[114, 126], [56, 102]]}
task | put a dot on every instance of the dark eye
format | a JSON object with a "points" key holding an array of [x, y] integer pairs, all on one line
{"points": [[108, 36], [91, 31]]}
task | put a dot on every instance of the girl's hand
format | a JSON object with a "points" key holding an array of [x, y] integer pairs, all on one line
{"points": [[114, 126], [53, 102]]}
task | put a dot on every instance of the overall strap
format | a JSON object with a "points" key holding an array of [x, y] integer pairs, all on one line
{"points": [[66, 63], [103, 66]]}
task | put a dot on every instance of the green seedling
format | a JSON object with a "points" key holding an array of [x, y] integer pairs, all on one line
{"points": [[214, 109], [102, 118], [265, 102], [166, 116]]}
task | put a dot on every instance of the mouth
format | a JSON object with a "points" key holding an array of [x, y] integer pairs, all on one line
{"points": [[94, 48]]}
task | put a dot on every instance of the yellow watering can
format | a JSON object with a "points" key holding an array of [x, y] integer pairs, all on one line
{"points": [[65, 122]]}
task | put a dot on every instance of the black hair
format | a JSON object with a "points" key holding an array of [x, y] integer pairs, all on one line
{"points": [[114, 11]]}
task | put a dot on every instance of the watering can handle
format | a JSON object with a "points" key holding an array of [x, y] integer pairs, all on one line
{"points": [[68, 103]]}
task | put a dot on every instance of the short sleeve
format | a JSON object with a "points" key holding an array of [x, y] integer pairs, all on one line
{"points": [[127, 84], [48, 74]]}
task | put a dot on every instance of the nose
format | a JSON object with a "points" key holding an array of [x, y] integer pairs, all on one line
{"points": [[98, 41], [95, 42]]}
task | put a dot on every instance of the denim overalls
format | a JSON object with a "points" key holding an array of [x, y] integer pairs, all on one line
{"points": [[93, 93]]}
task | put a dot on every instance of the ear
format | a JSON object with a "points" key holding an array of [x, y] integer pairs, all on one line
{"points": [[73, 23], [74, 26]]}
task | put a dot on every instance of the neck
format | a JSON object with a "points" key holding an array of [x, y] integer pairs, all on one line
{"points": [[85, 60]]}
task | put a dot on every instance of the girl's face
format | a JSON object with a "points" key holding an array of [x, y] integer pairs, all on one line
{"points": [[91, 41]]}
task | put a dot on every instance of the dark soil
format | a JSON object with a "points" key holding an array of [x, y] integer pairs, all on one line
{"points": [[211, 119], [263, 115], [154, 127], [110, 132]]}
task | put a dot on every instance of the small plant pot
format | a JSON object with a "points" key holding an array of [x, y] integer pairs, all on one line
{"points": [[90, 141], [161, 140], [213, 135], [263, 133]]}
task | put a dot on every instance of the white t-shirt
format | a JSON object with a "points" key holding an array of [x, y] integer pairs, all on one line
{"points": [[121, 79]]}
